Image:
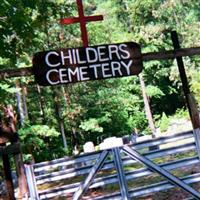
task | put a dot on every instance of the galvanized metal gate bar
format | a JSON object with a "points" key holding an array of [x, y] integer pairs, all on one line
{"points": [[120, 174], [85, 185], [197, 140], [31, 182], [173, 179], [42, 174]]}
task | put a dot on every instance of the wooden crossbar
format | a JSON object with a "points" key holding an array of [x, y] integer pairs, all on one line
{"points": [[171, 54], [10, 149]]}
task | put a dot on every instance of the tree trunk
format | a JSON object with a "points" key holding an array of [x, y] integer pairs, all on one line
{"points": [[24, 95], [73, 129], [66, 96], [74, 141], [148, 111], [41, 104], [58, 115], [147, 107], [19, 103]]}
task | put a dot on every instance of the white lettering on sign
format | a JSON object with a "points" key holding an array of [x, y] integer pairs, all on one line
{"points": [[74, 56], [83, 73], [95, 69], [124, 51], [64, 57], [127, 66], [113, 49], [78, 58], [50, 73], [115, 66], [93, 55], [47, 59], [63, 76], [100, 71], [105, 70], [102, 54], [91, 52], [90, 63], [72, 73]]}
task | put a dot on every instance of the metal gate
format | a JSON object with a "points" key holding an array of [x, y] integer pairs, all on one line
{"points": [[111, 167]]}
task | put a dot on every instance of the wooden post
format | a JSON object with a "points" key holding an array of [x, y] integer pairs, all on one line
{"points": [[22, 182], [190, 100], [147, 107], [8, 176], [148, 111], [10, 132], [60, 120]]}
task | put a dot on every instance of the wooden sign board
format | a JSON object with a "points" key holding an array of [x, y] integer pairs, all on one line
{"points": [[90, 63]]}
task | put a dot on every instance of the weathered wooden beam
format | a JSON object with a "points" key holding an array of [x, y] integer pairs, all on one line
{"points": [[8, 176], [10, 149], [171, 54], [10, 73], [190, 101], [3, 140]]}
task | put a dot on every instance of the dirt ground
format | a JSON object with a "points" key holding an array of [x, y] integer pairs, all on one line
{"points": [[171, 194]]}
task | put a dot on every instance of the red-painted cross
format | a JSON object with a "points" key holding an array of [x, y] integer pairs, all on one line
{"points": [[82, 19]]}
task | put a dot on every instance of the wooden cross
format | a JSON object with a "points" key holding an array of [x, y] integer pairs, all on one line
{"points": [[82, 19]]}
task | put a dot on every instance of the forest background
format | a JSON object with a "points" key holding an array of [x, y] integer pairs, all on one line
{"points": [[54, 120]]}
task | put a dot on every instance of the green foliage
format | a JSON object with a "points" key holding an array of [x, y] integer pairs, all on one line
{"points": [[39, 131], [98, 109], [34, 141], [181, 114], [91, 125], [154, 91], [164, 122], [6, 88], [7, 92]]}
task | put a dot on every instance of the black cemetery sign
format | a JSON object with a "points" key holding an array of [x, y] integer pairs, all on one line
{"points": [[73, 65]]}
